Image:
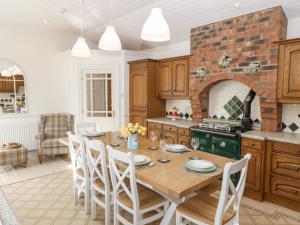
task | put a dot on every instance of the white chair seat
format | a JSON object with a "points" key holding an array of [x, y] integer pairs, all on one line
{"points": [[203, 207], [147, 198]]}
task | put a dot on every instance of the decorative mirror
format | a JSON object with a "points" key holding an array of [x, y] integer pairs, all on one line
{"points": [[12, 88]]}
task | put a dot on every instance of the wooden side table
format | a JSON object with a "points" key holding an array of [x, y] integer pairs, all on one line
{"points": [[17, 156]]}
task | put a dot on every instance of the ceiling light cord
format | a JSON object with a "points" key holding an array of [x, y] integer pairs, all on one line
{"points": [[81, 25], [109, 12]]}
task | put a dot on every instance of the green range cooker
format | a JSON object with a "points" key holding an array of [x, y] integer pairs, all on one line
{"points": [[219, 139]]}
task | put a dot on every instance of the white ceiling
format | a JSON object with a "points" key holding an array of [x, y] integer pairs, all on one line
{"points": [[129, 15]]}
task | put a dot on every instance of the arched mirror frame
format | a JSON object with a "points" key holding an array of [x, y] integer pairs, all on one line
{"points": [[12, 102]]}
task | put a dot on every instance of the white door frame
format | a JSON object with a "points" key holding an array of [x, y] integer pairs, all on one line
{"points": [[116, 76]]}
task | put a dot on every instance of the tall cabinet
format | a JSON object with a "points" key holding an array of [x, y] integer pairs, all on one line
{"points": [[144, 101]]}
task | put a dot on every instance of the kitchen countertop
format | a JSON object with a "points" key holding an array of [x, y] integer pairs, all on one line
{"points": [[178, 123], [286, 137]]}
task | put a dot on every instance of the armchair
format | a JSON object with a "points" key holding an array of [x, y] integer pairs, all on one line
{"points": [[53, 127]]}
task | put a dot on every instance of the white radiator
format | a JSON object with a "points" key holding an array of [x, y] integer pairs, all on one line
{"points": [[19, 129]]}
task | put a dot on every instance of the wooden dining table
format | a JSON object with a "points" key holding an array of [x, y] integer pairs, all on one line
{"points": [[170, 179]]}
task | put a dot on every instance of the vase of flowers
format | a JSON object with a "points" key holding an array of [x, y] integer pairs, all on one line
{"points": [[131, 134]]}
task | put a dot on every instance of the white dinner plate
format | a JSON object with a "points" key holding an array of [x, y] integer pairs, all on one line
{"points": [[201, 164]]}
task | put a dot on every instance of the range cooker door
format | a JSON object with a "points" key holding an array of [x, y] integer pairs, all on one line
{"points": [[226, 147], [205, 140]]}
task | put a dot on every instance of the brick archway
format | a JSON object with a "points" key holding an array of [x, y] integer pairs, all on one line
{"points": [[270, 110]]}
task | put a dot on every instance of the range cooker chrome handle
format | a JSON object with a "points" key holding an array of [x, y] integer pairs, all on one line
{"points": [[223, 144]]}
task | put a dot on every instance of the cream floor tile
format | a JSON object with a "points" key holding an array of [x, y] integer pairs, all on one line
{"points": [[68, 214], [52, 213], [37, 213], [60, 205], [291, 221], [278, 221], [245, 219], [79, 222], [23, 212], [45, 205], [62, 222], [45, 222], [82, 215], [29, 221], [32, 204]]}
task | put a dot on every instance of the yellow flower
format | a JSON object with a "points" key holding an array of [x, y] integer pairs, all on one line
{"points": [[130, 125], [143, 133], [139, 131]]}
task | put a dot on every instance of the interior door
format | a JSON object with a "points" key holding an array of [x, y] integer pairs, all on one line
{"points": [[98, 89]]}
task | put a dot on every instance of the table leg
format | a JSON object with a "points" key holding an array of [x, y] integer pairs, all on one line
{"points": [[169, 218]]}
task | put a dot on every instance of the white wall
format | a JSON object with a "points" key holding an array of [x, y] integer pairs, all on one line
{"points": [[172, 50], [39, 54]]}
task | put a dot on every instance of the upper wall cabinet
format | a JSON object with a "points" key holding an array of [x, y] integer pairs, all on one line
{"points": [[173, 78], [288, 88]]}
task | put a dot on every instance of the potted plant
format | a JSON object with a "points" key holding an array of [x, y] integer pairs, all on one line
{"points": [[131, 134]]}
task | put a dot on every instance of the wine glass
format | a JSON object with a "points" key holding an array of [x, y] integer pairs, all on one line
{"points": [[115, 136], [163, 148], [195, 143], [153, 138]]}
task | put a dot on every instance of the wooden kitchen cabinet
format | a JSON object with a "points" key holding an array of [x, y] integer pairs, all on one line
{"points": [[165, 79], [171, 138], [282, 180], [288, 86], [172, 133], [143, 98], [155, 127], [173, 78], [255, 175]]}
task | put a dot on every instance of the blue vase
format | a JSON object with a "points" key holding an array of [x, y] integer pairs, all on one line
{"points": [[133, 142]]}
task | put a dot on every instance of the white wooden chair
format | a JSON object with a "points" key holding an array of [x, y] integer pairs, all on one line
{"points": [[100, 182], [130, 196], [80, 170], [204, 209]]}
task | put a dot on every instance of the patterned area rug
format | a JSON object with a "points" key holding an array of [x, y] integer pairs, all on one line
{"points": [[10, 174], [6, 215]]}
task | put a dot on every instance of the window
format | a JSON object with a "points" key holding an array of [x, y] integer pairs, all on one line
{"points": [[98, 95]]}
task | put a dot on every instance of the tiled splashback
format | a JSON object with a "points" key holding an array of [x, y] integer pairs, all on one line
{"points": [[184, 106], [226, 101], [291, 118]]}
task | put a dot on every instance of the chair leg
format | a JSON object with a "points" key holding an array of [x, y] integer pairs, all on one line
{"points": [[87, 201], [178, 218], [107, 209], [93, 203], [116, 213], [40, 158], [76, 196]]}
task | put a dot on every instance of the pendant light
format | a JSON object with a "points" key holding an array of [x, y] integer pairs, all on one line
{"points": [[80, 48], [156, 28], [110, 40]]}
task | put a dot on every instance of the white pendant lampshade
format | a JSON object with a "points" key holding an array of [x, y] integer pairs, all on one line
{"points": [[156, 28], [80, 48], [110, 40]]}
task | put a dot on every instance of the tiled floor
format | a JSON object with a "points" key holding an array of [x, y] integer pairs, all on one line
{"points": [[49, 201]]}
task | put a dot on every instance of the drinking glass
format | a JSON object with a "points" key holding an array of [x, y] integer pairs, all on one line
{"points": [[153, 138], [163, 147], [195, 143], [115, 136]]}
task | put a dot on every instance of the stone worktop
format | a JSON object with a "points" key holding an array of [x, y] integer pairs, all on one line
{"points": [[177, 123], [292, 138]]}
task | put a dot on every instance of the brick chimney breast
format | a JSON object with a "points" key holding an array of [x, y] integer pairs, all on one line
{"points": [[246, 39]]}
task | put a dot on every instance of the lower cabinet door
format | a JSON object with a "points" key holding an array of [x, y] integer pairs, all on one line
{"points": [[286, 165], [254, 170], [171, 138], [184, 140], [288, 188]]}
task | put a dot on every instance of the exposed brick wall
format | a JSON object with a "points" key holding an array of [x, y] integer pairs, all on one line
{"points": [[248, 38]]}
